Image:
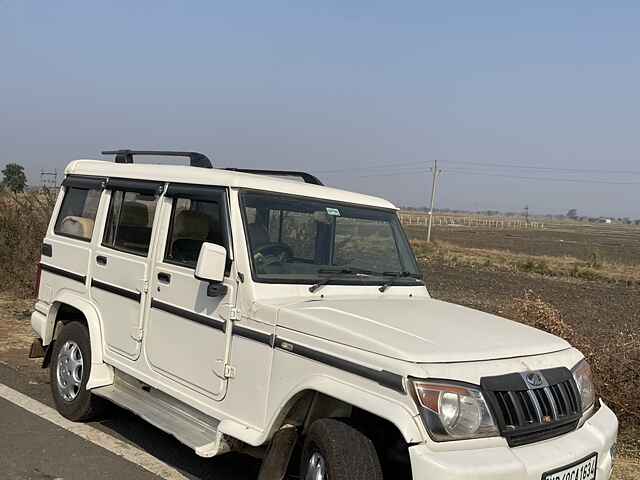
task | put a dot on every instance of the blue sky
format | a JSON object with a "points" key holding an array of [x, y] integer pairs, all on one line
{"points": [[365, 94]]}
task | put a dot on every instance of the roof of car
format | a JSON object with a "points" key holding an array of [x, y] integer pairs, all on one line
{"points": [[219, 177]]}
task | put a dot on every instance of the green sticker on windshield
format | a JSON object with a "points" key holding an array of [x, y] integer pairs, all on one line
{"points": [[333, 211]]}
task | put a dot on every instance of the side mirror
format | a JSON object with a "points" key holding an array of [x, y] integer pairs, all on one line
{"points": [[210, 267]]}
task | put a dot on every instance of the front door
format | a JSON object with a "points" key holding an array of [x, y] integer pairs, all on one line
{"points": [[120, 270], [186, 334]]}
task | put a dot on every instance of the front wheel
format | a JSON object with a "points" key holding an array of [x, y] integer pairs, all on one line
{"points": [[69, 372], [333, 450]]}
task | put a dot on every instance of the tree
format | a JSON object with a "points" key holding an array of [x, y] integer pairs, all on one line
{"points": [[14, 177], [573, 213]]}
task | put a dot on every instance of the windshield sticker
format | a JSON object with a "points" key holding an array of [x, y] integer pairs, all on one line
{"points": [[333, 211]]}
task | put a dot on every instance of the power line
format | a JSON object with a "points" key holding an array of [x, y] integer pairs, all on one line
{"points": [[542, 179], [414, 164], [548, 169], [378, 165], [460, 171]]}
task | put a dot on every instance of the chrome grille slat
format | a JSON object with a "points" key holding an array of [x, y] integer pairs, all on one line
{"points": [[562, 407], [536, 405], [552, 403], [517, 408]]}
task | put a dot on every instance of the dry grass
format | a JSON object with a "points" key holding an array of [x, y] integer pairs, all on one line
{"points": [[615, 359], [570, 267], [23, 223]]}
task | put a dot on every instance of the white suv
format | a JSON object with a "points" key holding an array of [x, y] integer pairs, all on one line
{"points": [[259, 311]]}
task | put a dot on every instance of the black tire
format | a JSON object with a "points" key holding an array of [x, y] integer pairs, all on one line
{"points": [[347, 453], [85, 405]]}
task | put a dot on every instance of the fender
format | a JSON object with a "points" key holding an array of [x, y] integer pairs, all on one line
{"points": [[101, 373], [398, 413]]}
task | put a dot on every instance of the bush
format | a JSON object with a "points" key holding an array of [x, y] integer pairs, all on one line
{"points": [[23, 224]]}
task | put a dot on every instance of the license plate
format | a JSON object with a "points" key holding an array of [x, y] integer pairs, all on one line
{"points": [[584, 469]]}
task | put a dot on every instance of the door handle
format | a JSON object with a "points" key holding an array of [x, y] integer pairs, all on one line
{"points": [[101, 260], [164, 278]]}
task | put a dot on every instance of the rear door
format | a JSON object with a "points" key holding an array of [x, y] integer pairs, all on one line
{"points": [[186, 333], [119, 282], [66, 249]]}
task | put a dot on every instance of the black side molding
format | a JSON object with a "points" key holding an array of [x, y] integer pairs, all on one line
{"points": [[382, 377], [254, 335], [117, 290], [189, 315], [63, 273]]}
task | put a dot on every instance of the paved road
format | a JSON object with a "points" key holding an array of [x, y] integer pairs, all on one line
{"points": [[33, 448]]}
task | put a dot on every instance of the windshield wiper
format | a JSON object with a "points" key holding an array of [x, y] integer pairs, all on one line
{"points": [[393, 277], [336, 273]]}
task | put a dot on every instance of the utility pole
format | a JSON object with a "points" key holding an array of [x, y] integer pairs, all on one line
{"points": [[526, 214], [436, 172], [49, 180]]}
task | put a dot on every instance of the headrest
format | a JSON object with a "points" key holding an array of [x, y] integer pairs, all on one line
{"points": [[77, 226], [192, 225], [134, 214]]}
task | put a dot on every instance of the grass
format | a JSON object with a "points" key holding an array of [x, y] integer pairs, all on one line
{"points": [[569, 267]]}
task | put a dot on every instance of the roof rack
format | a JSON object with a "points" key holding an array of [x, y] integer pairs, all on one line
{"points": [[126, 156], [197, 159], [306, 177]]}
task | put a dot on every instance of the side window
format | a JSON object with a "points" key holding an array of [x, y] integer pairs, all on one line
{"points": [[193, 222], [77, 214], [130, 222]]}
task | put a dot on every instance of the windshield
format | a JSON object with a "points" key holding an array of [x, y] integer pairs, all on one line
{"points": [[297, 240]]}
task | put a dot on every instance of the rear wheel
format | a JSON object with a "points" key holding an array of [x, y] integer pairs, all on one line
{"points": [[69, 371], [334, 450]]}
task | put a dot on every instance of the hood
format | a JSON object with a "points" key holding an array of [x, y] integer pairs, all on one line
{"points": [[417, 329]]}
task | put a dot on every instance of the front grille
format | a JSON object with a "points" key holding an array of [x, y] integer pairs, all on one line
{"points": [[528, 413]]}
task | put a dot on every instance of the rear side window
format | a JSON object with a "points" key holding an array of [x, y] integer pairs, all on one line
{"points": [[193, 222], [130, 222], [77, 214]]}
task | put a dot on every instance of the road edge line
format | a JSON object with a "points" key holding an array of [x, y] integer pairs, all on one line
{"points": [[97, 437]]}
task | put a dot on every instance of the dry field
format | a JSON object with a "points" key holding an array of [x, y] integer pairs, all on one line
{"points": [[617, 244]]}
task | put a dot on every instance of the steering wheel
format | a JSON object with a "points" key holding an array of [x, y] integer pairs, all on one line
{"points": [[272, 253]]}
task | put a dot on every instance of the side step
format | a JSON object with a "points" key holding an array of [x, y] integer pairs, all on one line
{"points": [[188, 425]]}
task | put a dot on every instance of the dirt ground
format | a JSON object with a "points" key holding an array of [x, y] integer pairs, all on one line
{"points": [[16, 336], [589, 306]]}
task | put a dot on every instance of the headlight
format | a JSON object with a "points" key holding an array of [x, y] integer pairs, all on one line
{"points": [[584, 381], [454, 412]]}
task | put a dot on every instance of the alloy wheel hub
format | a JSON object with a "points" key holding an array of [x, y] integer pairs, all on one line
{"points": [[69, 370]]}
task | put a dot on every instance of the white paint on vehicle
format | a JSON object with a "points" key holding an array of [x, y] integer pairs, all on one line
{"points": [[93, 435]]}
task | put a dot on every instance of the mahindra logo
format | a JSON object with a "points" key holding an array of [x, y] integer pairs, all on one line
{"points": [[534, 379]]}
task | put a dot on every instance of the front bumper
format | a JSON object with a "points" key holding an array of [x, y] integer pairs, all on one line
{"points": [[529, 462]]}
